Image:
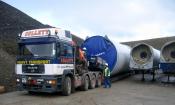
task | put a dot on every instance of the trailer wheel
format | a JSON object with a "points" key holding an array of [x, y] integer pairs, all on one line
{"points": [[86, 84], [99, 81], [67, 86], [92, 82]]}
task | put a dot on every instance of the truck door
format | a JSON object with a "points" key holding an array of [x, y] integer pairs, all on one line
{"points": [[66, 54]]}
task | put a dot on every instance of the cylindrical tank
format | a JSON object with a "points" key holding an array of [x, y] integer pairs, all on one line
{"points": [[168, 52], [116, 55], [167, 58], [144, 57]]}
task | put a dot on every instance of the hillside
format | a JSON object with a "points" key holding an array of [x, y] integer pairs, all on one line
{"points": [[13, 22]]}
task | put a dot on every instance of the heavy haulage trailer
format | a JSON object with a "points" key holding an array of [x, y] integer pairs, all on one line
{"points": [[49, 61], [144, 58], [167, 59]]}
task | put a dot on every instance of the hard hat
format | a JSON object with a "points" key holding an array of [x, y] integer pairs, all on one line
{"points": [[106, 64], [84, 48]]}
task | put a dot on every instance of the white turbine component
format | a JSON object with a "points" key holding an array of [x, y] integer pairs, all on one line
{"points": [[168, 52], [144, 57], [167, 58], [123, 56]]}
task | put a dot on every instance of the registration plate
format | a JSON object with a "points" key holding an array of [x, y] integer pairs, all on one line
{"points": [[24, 80]]}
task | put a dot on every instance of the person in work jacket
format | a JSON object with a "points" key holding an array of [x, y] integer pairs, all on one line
{"points": [[107, 74], [81, 56]]}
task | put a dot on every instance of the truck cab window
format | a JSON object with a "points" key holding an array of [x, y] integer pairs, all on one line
{"points": [[66, 50], [38, 50], [23, 50], [69, 51], [58, 51]]}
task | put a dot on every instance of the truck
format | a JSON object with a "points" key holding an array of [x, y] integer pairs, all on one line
{"points": [[49, 61]]}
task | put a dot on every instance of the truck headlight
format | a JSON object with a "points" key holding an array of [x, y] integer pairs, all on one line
{"points": [[52, 82], [17, 80]]}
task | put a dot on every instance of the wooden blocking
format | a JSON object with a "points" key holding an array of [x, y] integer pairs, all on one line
{"points": [[2, 89]]}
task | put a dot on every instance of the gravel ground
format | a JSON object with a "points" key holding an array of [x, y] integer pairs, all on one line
{"points": [[130, 91]]}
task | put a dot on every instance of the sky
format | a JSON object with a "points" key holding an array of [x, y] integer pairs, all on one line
{"points": [[120, 20]]}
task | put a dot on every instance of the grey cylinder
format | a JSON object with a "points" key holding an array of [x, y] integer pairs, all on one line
{"points": [[122, 60], [168, 52], [167, 59], [144, 57]]}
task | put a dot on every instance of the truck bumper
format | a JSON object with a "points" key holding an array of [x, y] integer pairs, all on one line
{"points": [[39, 83]]}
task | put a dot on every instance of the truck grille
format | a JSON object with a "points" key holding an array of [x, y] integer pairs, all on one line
{"points": [[33, 69]]}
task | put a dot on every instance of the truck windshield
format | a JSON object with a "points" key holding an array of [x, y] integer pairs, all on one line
{"points": [[38, 49]]}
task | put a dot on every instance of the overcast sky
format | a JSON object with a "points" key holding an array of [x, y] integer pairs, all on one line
{"points": [[121, 20]]}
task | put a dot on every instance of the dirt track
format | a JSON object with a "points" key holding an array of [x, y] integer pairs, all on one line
{"points": [[130, 91]]}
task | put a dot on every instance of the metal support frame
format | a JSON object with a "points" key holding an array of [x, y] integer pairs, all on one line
{"points": [[168, 78], [153, 79], [152, 72], [143, 75]]}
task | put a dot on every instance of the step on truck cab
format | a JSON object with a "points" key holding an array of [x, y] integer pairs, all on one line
{"points": [[49, 61]]}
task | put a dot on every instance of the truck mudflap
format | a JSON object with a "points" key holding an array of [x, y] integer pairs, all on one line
{"points": [[35, 83]]}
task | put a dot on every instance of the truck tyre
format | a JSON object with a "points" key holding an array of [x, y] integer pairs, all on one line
{"points": [[66, 86], [86, 84], [99, 81], [92, 82]]}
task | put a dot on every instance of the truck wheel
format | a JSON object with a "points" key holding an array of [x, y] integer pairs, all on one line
{"points": [[99, 81], [92, 82], [86, 84], [67, 86]]}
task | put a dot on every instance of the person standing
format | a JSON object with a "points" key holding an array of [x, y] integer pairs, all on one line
{"points": [[107, 74], [81, 55]]}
